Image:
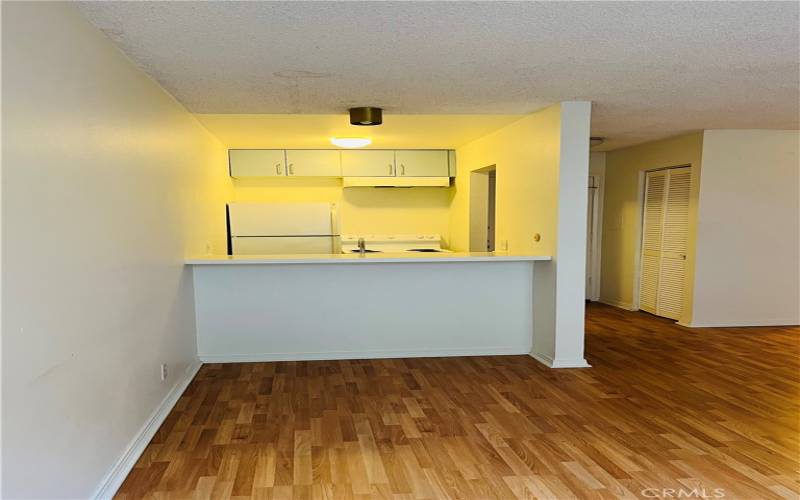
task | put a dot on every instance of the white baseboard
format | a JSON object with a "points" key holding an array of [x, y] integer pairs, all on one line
{"points": [[733, 323], [559, 363], [321, 356], [616, 303], [113, 480]]}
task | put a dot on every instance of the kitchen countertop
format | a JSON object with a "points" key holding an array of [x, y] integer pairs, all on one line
{"points": [[374, 258]]}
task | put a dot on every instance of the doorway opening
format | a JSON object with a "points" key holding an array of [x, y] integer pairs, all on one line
{"points": [[593, 210], [491, 211], [482, 209]]}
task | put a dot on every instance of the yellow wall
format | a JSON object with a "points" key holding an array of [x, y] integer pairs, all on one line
{"points": [[622, 213], [363, 210], [526, 155], [205, 189], [315, 131]]}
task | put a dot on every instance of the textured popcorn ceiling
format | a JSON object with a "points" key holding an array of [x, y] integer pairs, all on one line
{"points": [[651, 69]]}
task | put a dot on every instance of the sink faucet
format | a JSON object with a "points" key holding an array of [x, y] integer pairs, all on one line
{"points": [[362, 246]]}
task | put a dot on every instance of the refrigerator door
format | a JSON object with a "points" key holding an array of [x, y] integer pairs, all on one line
{"points": [[282, 219], [272, 245]]}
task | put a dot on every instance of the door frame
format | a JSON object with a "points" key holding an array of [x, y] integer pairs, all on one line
{"points": [[478, 208], [491, 212], [637, 271], [596, 183]]}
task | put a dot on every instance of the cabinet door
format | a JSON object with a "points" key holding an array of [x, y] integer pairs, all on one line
{"points": [[374, 163], [314, 163], [257, 162], [422, 163]]}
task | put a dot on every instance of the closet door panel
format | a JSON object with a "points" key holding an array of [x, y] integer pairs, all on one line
{"points": [[676, 217], [670, 288], [648, 291], [674, 244], [652, 225]]}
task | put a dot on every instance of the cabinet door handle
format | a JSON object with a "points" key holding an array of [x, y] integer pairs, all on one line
{"points": [[402, 169], [278, 168], [391, 169], [291, 170]]}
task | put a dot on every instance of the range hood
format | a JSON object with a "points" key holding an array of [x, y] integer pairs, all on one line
{"points": [[396, 181]]}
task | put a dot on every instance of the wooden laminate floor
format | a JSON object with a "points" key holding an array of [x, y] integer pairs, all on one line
{"points": [[664, 410]]}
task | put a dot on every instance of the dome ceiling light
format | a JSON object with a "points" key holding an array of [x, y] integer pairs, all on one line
{"points": [[350, 142], [367, 116]]}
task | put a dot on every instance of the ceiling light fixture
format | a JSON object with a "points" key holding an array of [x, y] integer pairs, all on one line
{"points": [[366, 116], [596, 141], [351, 142]]}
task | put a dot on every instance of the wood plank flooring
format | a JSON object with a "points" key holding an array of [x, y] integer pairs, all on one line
{"points": [[664, 410]]}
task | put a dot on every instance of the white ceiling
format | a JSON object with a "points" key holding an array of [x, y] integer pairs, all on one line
{"points": [[653, 69]]}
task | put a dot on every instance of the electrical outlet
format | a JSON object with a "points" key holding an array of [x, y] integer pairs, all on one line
{"points": [[209, 248], [504, 245], [164, 372]]}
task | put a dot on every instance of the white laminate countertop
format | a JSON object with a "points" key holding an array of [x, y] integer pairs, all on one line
{"points": [[374, 258]]}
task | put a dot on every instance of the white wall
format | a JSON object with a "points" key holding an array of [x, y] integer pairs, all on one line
{"points": [[103, 176], [362, 310], [567, 276], [748, 245]]}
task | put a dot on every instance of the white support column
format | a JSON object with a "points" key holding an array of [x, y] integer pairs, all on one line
{"points": [[559, 290]]}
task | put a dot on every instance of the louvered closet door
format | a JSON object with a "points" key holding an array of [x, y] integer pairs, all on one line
{"points": [[655, 194], [664, 241], [674, 244]]}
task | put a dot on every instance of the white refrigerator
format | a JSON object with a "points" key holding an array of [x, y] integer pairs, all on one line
{"points": [[282, 228]]}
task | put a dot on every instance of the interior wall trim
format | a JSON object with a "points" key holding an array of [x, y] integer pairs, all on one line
{"points": [[381, 354], [617, 303], [742, 322], [549, 362], [120, 470]]}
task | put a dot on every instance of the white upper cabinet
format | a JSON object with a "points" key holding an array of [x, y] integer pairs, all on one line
{"points": [[341, 163], [409, 163], [313, 163], [257, 162], [368, 163]]}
